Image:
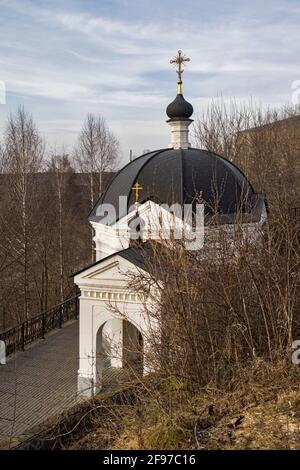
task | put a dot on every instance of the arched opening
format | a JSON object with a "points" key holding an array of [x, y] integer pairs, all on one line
{"points": [[133, 348], [119, 352]]}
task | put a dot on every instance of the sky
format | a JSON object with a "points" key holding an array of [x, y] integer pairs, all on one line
{"points": [[64, 59]]}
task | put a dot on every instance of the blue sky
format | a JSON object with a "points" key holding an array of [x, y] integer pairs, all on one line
{"points": [[63, 59]]}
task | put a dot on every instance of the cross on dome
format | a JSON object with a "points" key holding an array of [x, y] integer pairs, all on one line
{"points": [[180, 60], [136, 188]]}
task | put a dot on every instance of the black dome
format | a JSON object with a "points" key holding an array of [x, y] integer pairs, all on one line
{"points": [[179, 108], [171, 176]]}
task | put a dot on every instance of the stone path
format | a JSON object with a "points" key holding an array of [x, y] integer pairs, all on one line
{"points": [[38, 384]]}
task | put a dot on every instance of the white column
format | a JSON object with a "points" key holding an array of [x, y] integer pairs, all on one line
{"points": [[116, 342], [86, 352]]}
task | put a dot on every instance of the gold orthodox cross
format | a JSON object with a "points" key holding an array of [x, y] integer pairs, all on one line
{"points": [[179, 60], [136, 188]]}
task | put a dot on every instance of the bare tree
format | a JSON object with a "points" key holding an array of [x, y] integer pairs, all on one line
{"points": [[1, 158], [22, 158], [96, 152], [108, 146], [264, 144], [59, 167]]}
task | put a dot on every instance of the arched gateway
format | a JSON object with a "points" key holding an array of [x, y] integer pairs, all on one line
{"points": [[119, 344], [114, 328]]}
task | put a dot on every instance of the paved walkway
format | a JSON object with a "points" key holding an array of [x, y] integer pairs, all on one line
{"points": [[38, 384]]}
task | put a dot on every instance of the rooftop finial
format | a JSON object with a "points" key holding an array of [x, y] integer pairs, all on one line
{"points": [[180, 110], [136, 188], [179, 60]]}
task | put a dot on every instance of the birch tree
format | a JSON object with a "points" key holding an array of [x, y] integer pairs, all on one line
{"points": [[22, 159], [97, 151], [59, 168]]}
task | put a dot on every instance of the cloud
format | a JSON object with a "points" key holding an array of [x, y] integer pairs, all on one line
{"points": [[64, 59]]}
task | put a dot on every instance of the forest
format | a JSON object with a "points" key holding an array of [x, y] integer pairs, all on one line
{"points": [[45, 199]]}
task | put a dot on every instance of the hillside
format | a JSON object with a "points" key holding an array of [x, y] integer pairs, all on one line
{"points": [[262, 413]]}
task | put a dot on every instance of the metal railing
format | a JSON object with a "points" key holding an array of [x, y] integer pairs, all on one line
{"points": [[296, 213], [34, 328]]}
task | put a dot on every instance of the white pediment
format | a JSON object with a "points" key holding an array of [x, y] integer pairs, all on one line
{"points": [[112, 272], [104, 272]]}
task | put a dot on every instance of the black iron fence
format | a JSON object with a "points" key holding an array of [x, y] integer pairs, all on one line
{"points": [[34, 328], [296, 213]]}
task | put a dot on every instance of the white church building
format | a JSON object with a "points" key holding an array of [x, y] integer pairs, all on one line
{"points": [[135, 205]]}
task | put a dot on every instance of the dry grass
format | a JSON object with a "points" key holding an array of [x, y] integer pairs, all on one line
{"points": [[261, 412]]}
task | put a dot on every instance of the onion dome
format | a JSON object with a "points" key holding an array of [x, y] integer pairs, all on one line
{"points": [[179, 108]]}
